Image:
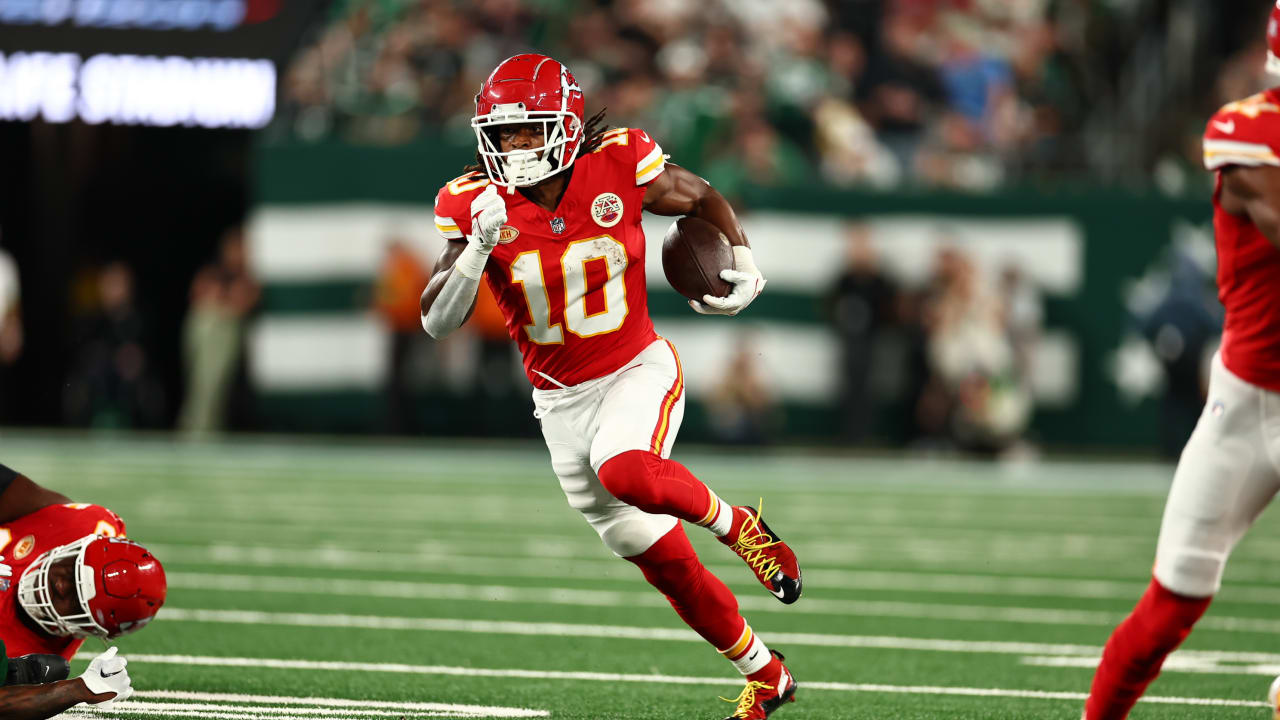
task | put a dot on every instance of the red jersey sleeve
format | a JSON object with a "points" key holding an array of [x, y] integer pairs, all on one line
{"points": [[650, 161], [634, 148], [1245, 132], [453, 205]]}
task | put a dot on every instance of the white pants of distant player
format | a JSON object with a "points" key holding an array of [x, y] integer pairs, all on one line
{"points": [[1228, 473], [587, 424]]}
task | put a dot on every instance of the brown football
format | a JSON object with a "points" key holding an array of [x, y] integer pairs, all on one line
{"points": [[693, 254]]}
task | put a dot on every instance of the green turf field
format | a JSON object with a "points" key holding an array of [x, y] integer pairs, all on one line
{"points": [[323, 579]]}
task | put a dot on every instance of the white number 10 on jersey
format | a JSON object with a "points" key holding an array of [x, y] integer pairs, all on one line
{"points": [[526, 270]]}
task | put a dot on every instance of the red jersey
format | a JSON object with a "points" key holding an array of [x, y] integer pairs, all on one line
{"points": [[21, 542], [571, 282], [1247, 133]]}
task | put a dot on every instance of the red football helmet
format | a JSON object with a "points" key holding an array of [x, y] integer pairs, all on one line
{"points": [[529, 89], [119, 587], [1273, 40]]}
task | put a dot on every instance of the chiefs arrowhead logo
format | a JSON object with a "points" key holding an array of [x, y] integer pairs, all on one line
{"points": [[24, 547], [606, 209]]}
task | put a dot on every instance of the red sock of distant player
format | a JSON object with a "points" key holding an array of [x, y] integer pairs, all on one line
{"points": [[703, 601], [1137, 649], [665, 487]]}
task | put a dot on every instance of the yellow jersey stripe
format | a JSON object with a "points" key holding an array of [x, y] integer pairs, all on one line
{"points": [[651, 166], [668, 402]]}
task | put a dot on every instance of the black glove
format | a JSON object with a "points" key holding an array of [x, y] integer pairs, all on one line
{"points": [[36, 669]]}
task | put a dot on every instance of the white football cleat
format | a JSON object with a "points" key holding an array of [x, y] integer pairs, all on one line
{"points": [[1273, 697]]}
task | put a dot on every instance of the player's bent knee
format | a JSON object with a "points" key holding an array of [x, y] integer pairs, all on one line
{"points": [[670, 563], [628, 477], [629, 531], [1190, 572]]}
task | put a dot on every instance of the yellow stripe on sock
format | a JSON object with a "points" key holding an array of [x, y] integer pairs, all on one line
{"points": [[741, 646], [710, 517]]}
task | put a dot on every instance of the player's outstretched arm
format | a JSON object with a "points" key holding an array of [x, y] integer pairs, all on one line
{"points": [[679, 192], [105, 682], [1254, 192], [451, 293], [19, 496], [35, 702]]}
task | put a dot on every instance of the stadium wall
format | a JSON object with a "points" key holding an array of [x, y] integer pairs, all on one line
{"points": [[324, 216]]}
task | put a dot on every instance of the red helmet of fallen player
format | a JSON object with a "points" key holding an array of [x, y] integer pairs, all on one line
{"points": [[529, 89], [97, 585], [1273, 40]]}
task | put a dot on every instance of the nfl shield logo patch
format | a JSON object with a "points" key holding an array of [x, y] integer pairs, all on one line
{"points": [[557, 225]]}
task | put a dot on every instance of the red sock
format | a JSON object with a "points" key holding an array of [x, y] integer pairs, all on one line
{"points": [[701, 600], [1137, 649], [655, 485]]}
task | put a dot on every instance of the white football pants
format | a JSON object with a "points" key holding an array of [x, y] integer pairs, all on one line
{"points": [[637, 407], [1228, 473]]}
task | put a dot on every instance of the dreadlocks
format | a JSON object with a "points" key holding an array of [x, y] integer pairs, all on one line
{"points": [[592, 131]]}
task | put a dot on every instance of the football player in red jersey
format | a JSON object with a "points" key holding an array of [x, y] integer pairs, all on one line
{"points": [[55, 587], [551, 220], [1230, 467]]}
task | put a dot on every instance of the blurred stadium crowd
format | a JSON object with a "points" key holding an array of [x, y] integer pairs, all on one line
{"points": [[954, 94], [964, 94]]}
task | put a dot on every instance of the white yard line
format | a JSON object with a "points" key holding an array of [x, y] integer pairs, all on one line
{"points": [[249, 461], [310, 665], [830, 551], [330, 558], [483, 515], [1175, 663], [334, 702], [235, 712], [283, 707], [494, 627], [614, 598], [232, 710], [265, 703]]}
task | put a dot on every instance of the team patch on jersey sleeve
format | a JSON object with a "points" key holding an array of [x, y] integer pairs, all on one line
{"points": [[1220, 153]]}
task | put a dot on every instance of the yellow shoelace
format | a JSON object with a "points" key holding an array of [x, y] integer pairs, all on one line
{"points": [[747, 699], [751, 544]]}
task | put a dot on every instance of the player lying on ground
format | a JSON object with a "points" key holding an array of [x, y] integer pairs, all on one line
{"points": [[58, 552], [562, 248], [1230, 467]]}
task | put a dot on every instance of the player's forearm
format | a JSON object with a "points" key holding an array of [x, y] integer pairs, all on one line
{"points": [[35, 702], [713, 208], [451, 305]]}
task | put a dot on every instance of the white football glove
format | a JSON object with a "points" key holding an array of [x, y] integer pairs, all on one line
{"points": [[747, 284], [107, 674], [488, 215]]}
